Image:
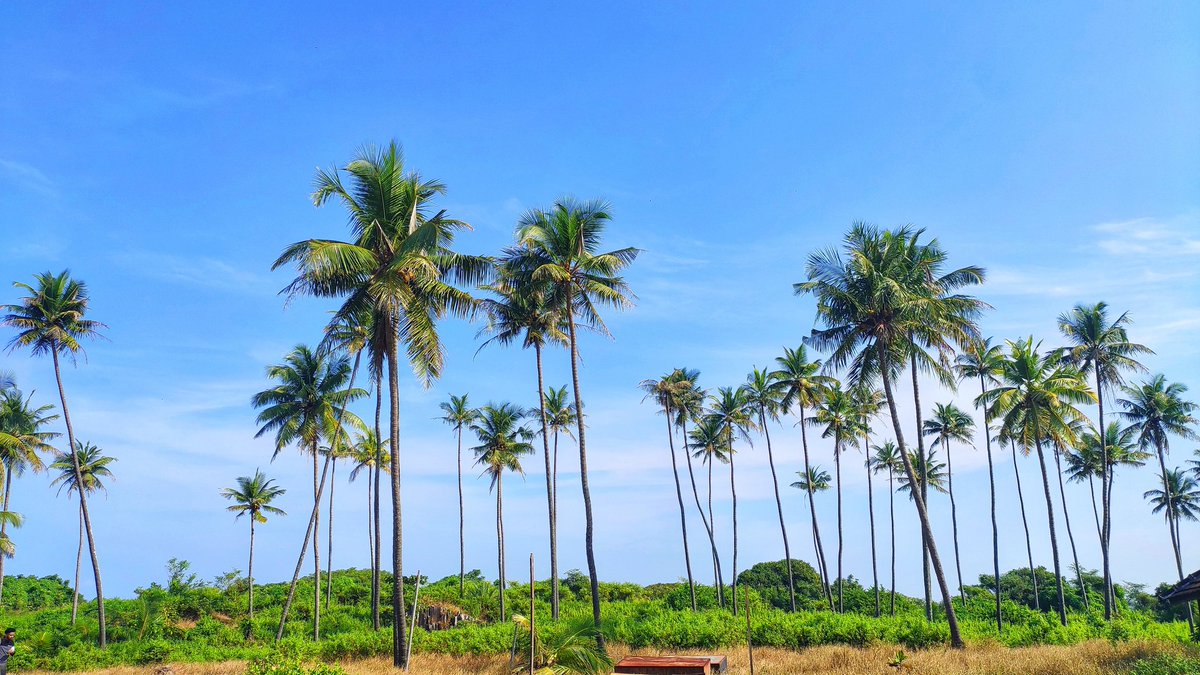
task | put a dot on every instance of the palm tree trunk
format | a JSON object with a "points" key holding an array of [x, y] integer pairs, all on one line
{"points": [[924, 486], [1062, 603], [554, 494], [787, 551], [892, 511], [1062, 492], [733, 492], [1172, 517], [812, 509], [954, 521], [500, 541], [712, 542], [87, 519], [713, 529], [377, 563], [1095, 510], [1105, 499], [987, 436], [589, 532], [1037, 603], [316, 545], [871, 512], [462, 541], [250, 570], [549, 488], [956, 640], [308, 533], [329, 536], [78, 564], [4, 525], [370, 521], [837, 464], [399, 653], [687, 557]]}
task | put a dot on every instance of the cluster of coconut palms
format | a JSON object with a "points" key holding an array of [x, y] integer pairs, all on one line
{"points": [[886, 306]]}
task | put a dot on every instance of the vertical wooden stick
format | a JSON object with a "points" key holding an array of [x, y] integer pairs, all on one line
{"points": [[749, 638], [532, 618], [408, 648]]}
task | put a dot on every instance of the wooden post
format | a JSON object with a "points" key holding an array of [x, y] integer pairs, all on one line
{"points": [[532, 618], [408, 648], [749, 637]]}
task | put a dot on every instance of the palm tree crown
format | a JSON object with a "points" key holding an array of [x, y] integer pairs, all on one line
{"points": [[253, 496]]}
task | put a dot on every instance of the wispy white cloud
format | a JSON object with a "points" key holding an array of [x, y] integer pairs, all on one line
{"points": [[27, 177], [199, 271]]}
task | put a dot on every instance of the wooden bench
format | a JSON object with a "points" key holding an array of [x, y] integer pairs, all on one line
{"points": [[673, 665]]}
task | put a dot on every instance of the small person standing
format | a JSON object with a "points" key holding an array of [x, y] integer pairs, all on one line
{"points": [[7, 647]]}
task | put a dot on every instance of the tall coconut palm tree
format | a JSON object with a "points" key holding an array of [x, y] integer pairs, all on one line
{"points": [[1180, 495], [709, 444], [875, 306], [802, 386], [983, 361], [1084, 464], [51, 319], [1155, 411], [1037, 400], [950, 423], [522, 311], [733, 412], [1024, 522], [665, 391], [814, 480], [763, 393], [369, 454], [253, 496], [887, 459], [868, 402], [1121, 448], [305, 406], [457, 413], [930, 473], [333, 452], [689, 406], [560, 246], [560, 419], [1102, 348], [502, 442], [23, 439], [1059, 446], [400, 268], [838, 415], [88, 468]]}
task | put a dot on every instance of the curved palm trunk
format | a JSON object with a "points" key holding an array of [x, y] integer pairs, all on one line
{"points": [[713, 530], [924, 487], [462, 541], [987, 436], [500, 541], [589, 533], [1105, 500], [712, 542], [549, 489], [308, 533], [1062, 492], [316, 545], [954, 521], [329, 536], [1037, 602], [370, 521], [956, 640], [837, 464], [687, 557], [83, 507], [1062, 603], [812, 509], [377, 562], [399, 653], [78, 564], [250, 570], [4, 526], [892, 511], [871, 512], [787, 551], [1172, 525], [1095, 510], [733, 492]]}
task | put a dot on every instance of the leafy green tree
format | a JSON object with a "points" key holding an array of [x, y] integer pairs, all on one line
{"points": [[887, 458], [836, 412], [23, 439], [305, 406], [1156, 410], [1102, 348], [876, 306], [401, 269], [708, 443], [51, 319], [732, 410], [770, 580], [252, 497], [949, 423], [88, 468], [457, 413], [983, 361], [502, 442], [802, 386], [1037, 400]]}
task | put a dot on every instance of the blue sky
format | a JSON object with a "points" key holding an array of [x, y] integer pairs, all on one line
{"points": [[164, 154]]}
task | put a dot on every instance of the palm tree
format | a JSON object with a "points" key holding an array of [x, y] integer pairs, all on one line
{"points": [[981, 360], [560, 247], [709, 444], [950, 423], [1059, 446], [399, 268], [502, 441], [308, 405], [665, 391], [763, 393], [51, 320], [840, 419], [522, 311], [803, 386], [1155, 411], [868, 401], [930, 473], [690, 406], [1037, 401], [734, 412], [22, 438], [1180, 495], [89, 468], [813, 480], [253, 496], [875, 306], [369, 454], [886, 458], [1101, 347], [459, 414], [560, 419]]}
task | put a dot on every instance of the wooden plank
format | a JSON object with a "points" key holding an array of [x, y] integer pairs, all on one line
{"points": [[664, 665]]}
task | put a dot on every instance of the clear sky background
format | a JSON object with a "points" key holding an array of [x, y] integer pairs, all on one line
{"points": [[165, 154]]}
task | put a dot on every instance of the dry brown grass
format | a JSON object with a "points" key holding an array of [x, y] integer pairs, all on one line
{"points": [[1097, 657]]}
